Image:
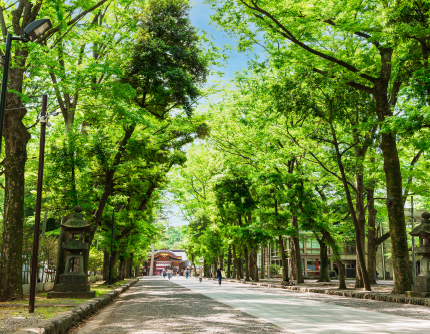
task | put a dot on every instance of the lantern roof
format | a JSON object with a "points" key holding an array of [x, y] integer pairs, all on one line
{"points": [[422, 229], [77, 222]]}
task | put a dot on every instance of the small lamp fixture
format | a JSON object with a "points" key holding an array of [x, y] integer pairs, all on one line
{"points": [[36, 29], [31, 33]]}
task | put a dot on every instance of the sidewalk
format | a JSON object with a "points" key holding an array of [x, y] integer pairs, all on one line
{"points": [[303, 315]]}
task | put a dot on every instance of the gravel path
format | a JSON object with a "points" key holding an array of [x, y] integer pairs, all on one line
{"points": [[406, 310], [160, 306]]}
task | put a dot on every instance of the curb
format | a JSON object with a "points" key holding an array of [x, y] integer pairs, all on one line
{"points": [[343, 293], [62, 322]]}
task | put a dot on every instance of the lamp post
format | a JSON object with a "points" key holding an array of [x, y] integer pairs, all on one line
{"points": [[111, 244], [413, 240], [33, 31]]}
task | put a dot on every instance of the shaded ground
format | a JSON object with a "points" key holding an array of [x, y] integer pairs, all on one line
{"points": [[406, 310], [160, 306], [383, 287], [14, 314]]}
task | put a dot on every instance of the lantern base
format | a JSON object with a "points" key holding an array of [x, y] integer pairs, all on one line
{"points": [[72, 294]]}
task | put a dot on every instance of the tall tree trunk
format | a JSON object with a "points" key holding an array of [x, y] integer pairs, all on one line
{"points": [[324, 261], [359, 207], [371, 236], [352, 210], [245, 250], [229, 262], [251, 265], [341, 272], [16, 137], [221, 261], [373, 241], [214, 267], [240, 268], [393, 177], [105, 265], [263, 262], [284, 260], [255, 278], [297, 256], [205, 268], [130, 267], [236, 273], [193, 264]]}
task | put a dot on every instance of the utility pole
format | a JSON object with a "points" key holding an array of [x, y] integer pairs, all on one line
{"points": [[413, 239], [34, 260]]}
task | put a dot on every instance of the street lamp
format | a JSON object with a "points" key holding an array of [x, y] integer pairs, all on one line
{"points": [[111, 244], [31, 33]]}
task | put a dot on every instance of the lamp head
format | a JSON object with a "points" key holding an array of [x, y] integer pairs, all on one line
{"points": [[36, 29], [119, 208]]}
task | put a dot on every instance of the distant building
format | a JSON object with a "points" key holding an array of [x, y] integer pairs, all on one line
{"points": [[165, 259]]}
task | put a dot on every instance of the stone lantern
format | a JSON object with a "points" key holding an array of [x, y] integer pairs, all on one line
{"points": [[74, 281], [422, 281]]}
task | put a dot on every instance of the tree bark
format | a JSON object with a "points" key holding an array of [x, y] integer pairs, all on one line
{"points": [[215, 267], [297, 257], [251, 265], [105, 265], [205, 268], [236, 264], [255, 265], [263, 261], [130, 266], [229, 262], [16, 138], [393, 177], [360, 152], [324, 261], [245, 250], [341, 272], [284, 260]]}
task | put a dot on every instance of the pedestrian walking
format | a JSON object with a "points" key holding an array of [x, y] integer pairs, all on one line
{"points": [[164, 273], [219, 275], [201, 275], [169, 274], [377, 275], [186, 273]]}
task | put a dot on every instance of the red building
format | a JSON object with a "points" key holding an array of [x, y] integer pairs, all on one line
{"points": [[168, 259]]}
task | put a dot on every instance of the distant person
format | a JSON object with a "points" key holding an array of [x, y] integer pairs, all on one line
{"points": [[169, 274], [219, 275], [186, 273], [164, 273], [201, 275], [377, 275]]}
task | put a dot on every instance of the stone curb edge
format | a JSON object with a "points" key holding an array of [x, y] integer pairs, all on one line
{"points": [[62, 322], [343, 293]]}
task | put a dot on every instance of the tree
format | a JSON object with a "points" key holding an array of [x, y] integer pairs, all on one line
{"points": [[16, 133], [320, 38]]}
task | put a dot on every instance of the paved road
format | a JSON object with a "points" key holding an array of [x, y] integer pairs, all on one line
{"points": [[155, 305], [304, 316]]}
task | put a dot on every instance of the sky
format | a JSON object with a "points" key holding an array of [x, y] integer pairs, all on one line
{"points": [[200, 18]]}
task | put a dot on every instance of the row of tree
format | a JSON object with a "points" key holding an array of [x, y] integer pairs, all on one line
{"points": [[328, 134], [125, 76]]}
